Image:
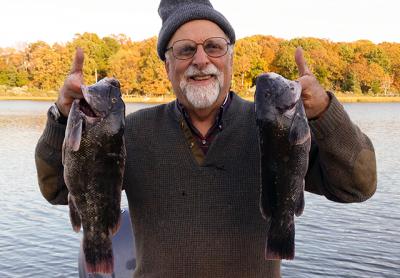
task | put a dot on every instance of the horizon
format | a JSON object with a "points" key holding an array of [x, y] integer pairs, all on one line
{"points": [[19, 46], [55, 21]]}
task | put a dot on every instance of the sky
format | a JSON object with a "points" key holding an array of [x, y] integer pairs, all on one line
{"points": [[25, 21]]}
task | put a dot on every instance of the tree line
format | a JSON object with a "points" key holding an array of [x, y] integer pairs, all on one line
{"points": [[359, 67]]}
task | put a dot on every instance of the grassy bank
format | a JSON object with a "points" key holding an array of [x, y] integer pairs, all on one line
{"points": [[154, 100], [126, 99], [350, 99], [25, 93]]}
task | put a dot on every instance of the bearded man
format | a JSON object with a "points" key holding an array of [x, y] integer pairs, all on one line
{"points": [[192, 174]]}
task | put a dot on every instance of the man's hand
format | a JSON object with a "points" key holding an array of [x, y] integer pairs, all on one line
{"points": [[315, 99], [72, 85]]}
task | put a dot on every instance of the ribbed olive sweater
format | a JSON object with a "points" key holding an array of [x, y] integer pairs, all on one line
{"points": [[194, 220]]}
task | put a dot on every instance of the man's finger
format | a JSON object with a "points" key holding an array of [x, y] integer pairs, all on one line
{"points": [[77, 64], [301, 62]]}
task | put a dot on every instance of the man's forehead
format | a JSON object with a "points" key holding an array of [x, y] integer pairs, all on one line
{"points": [[198, 30]]}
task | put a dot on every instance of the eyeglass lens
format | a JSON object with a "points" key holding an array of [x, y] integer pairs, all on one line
{"points": [[213, 47]]}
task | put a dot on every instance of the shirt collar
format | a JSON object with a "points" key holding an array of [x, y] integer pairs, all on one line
{"points": [[218, 119], [223, 107]]}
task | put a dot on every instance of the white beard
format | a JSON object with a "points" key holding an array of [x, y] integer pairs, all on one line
{"points": [[202, 96]]}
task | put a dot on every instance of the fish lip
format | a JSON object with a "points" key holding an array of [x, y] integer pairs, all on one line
{"points": [[85, 93], [86, 98]]}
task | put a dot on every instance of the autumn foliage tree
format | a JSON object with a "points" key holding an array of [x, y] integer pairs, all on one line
{"points": [[359, 67], [47, 65], [13, 68], [124, 65], [152, 77]]}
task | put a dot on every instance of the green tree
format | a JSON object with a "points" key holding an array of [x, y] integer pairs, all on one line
{"points": [[284, 63], [97, 53], [13, 68]]}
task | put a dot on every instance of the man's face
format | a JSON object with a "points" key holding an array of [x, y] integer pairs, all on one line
{"points": [[200, 82]]}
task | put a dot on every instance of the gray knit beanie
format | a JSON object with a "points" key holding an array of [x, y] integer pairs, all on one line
{"points": [[175, 13]]}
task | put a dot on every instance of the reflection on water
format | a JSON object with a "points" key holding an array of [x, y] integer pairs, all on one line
{"points": [[36, 238], [356, 240], [332, 240]]}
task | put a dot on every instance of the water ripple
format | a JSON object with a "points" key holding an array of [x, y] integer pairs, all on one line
{"points": [[332, 240]]}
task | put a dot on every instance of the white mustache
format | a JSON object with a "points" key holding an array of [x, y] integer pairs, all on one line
{"points": [[202, 96], [209, 70]]}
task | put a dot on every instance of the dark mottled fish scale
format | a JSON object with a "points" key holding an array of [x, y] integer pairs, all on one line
{"points": [[94, 159], [284, 145]]}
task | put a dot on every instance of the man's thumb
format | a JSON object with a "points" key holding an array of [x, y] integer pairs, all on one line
{"points": [[77, 64], [301, 62]]}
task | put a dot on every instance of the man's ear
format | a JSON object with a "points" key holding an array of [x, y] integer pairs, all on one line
{"points": [[232, 54], [166, 65]]}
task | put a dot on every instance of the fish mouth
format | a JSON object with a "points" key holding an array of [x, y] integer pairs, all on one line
{"points": [[85, 108], [84, 103]]}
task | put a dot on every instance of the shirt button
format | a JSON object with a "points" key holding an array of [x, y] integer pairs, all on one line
{"points": [[191, 144], [204, 142]]}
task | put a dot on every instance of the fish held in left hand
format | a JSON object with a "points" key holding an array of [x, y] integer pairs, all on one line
{"points": [[285, 142], [94, 161]]}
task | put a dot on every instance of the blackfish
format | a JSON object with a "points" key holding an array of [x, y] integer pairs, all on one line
{"points": [[94, 161], [285, 142]]}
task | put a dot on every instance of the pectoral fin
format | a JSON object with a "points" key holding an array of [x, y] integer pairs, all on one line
{"points": [[299, 130], [75, 135], [299, 204]]}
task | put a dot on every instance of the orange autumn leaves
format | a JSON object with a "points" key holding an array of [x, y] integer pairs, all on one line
{"points": [[360, 67]]}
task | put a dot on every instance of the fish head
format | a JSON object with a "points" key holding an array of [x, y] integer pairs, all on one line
{"points": [[101, 98], [275, 96]]}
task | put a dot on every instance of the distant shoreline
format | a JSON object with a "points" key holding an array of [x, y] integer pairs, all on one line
{"points": [[156, 100], [150, 100]]}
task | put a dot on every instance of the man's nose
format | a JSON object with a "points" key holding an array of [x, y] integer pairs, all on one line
{"points": [[200, 58]]}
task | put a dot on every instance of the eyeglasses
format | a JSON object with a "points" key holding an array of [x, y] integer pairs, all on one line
{"points": [[185, 49]]}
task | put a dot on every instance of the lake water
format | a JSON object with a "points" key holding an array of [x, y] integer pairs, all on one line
{"points": [[332, 240]]}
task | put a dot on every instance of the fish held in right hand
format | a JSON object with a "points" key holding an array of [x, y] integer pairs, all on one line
{"points": [[285, 142], [94, 161]]}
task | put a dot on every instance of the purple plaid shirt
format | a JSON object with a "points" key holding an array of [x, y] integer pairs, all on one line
{"points": [[204, 142]]}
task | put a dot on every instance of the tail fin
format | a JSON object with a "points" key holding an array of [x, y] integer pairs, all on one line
{"points": [[98, 255], [280, 240]]}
